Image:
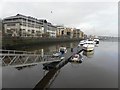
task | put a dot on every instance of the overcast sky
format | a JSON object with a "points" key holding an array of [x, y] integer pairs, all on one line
{"points": [[98, 18]]}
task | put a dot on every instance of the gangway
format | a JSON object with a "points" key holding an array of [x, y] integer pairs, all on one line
{"points": [[14, 58], [48, 79]]}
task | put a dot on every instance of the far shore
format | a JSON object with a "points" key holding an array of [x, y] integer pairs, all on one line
{"points": [[13, 43]]}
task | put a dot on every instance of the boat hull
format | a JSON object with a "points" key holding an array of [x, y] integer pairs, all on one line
{"points": [[88, 48]]}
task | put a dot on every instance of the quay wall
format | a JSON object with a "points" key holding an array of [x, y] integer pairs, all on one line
{"points": [[15, 42]]}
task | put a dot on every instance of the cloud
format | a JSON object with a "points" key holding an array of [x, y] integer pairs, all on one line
{"points": [[92, 17]]}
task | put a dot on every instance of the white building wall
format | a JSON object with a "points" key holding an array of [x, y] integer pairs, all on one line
{"points": [[24, 30], [28, 30], [52, 33]]}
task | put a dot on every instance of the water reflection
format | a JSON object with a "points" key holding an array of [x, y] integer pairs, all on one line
{"points": [[96, 45], [76, 62], [23, 67], [49, 66], [88, 54], [79, 75], [49, 48], [55, 48]]}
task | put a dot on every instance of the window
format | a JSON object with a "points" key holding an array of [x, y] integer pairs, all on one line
{"points": [[62, 32], [28, 30], [11, 24], [33, 31]]}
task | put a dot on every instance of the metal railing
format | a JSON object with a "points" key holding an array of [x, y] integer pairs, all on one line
{"points": [[16, 58]]}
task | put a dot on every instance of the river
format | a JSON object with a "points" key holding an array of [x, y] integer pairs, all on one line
{"points": [[99, 69]]}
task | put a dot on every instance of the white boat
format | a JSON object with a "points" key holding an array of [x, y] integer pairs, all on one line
{"points": [[81, 43], [96, 40], [62, 58], [88, 46], [57, 54], [63, 50], [76, 58]]}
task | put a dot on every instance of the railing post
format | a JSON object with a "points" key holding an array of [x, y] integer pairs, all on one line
{"points": [[14, 52], [42, 53], [8, 51]]}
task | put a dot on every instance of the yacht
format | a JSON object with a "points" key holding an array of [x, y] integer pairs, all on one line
{"points": [[96, 40], [88, 45]]}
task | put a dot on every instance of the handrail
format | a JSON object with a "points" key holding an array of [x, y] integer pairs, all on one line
{"points": [[15, 51]]}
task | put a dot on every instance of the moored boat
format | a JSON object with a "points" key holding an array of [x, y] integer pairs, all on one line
{"points": [[96, 40], [88, 46], [63, 50], [76, 58], [81, 43], [57, 54]]}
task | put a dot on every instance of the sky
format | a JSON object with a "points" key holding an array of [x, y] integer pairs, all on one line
{"points": [[96, 18]]}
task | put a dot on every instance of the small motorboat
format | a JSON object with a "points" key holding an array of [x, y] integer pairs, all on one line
{"points": [[63, 50], [88, 46], [62, 58], [57, 54], [76, 58]]}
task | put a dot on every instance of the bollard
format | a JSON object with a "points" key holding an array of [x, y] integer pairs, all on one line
{"points": [[71, 49]]}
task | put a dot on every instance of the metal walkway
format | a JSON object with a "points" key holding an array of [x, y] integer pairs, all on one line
{"points": [[15, 58]]}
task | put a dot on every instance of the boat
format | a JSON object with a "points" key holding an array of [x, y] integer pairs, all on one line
{"points": [[76, 58], [81, 43], [96, 40], [88, 45], [57, 54], [63, 50]]}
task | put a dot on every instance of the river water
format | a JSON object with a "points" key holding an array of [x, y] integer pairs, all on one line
{"points": [[99, 69]]}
